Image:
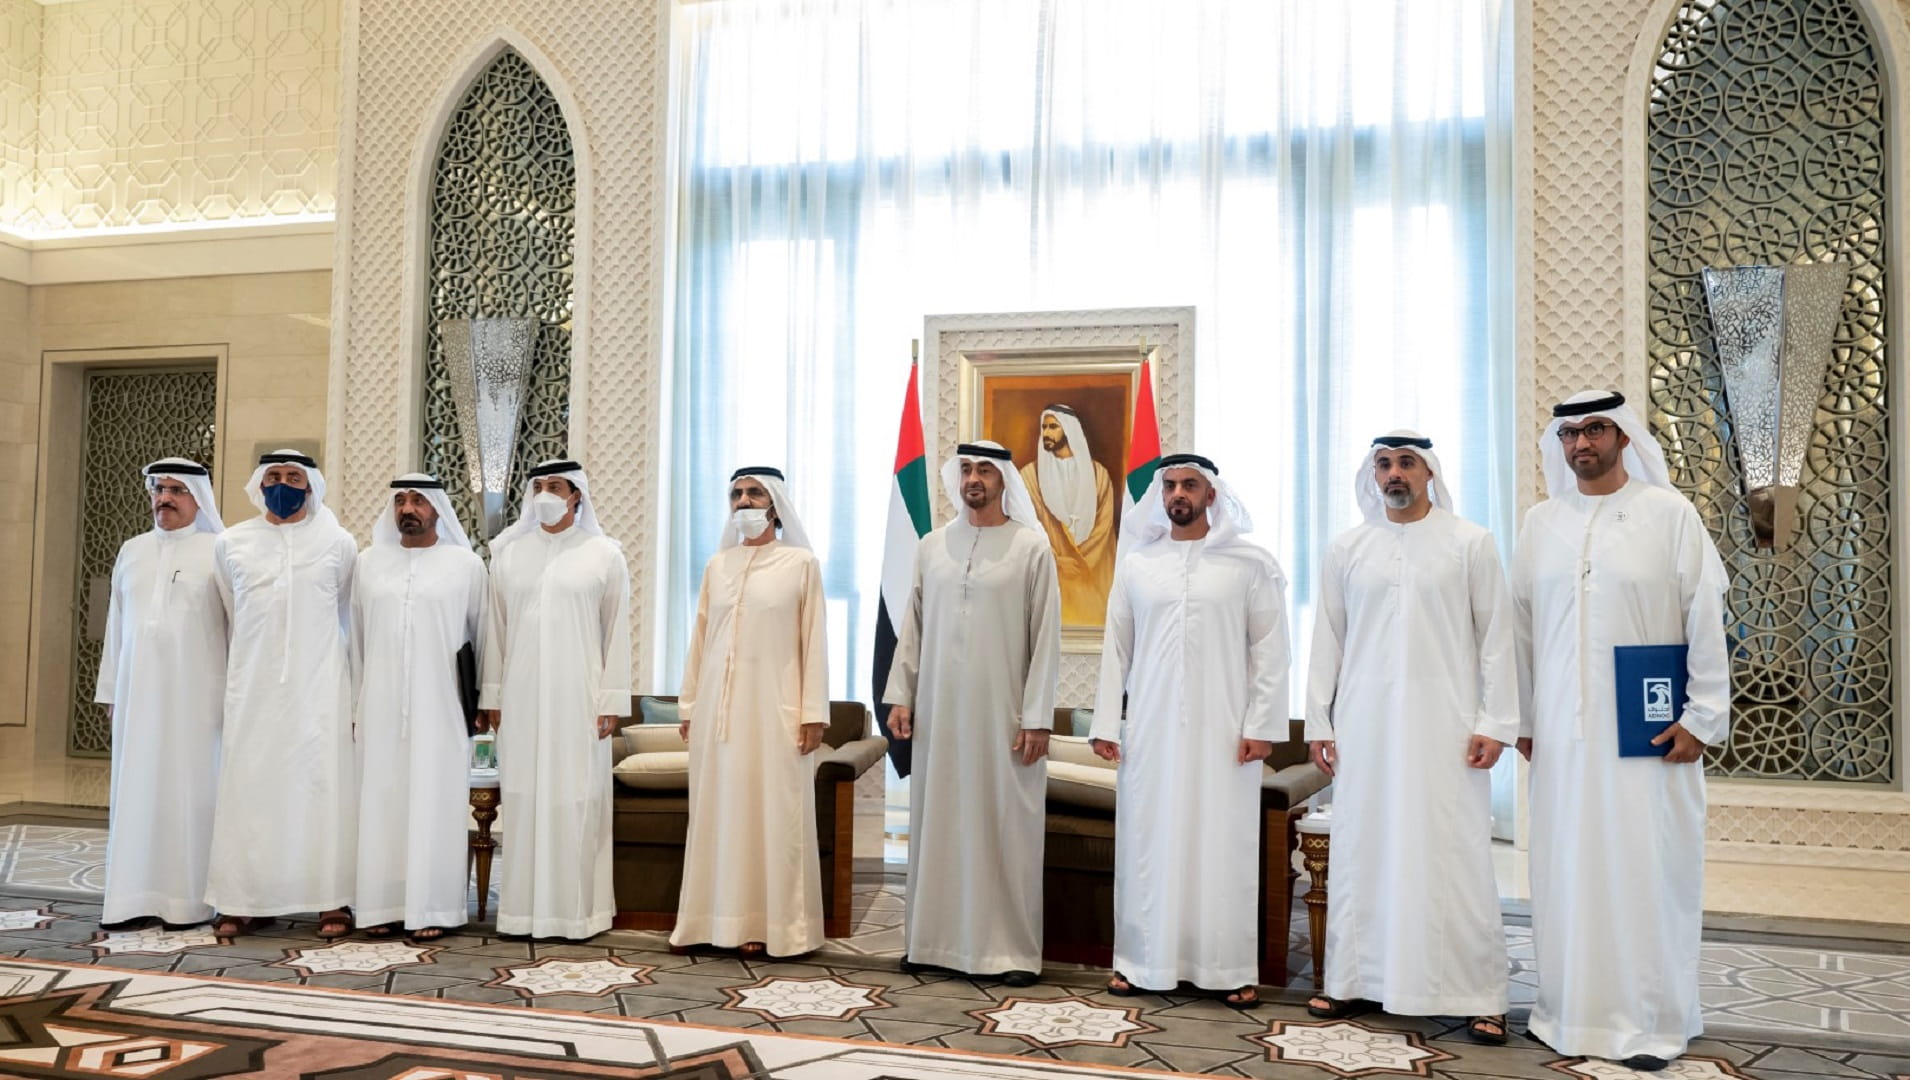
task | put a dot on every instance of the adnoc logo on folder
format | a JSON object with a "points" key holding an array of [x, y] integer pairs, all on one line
{"points": [[1658, 701]]}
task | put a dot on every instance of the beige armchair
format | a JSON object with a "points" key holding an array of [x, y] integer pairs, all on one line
{"points": [[652, 812], [1078, 866]]}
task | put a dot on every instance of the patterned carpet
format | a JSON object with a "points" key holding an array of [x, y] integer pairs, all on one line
{"points": [[76, 1000]]}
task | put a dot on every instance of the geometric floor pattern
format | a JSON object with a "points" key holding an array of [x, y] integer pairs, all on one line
{"points": [[620, 997]]}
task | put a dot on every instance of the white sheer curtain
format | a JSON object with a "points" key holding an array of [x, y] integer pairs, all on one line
{"points": [[1323, 181]]}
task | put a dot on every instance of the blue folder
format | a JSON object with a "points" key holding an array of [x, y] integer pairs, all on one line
{"points": [[1650, 694]]}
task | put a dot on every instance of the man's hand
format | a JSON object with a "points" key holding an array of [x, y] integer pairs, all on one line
{"points": [[1031, 744], [683, 731], [607, 726], [808, 737], [488, 719], [1525, 747], [1324, 754], [1482, 752], [901, 721], [1105, 750], [1685, 747], [1254, 750]]}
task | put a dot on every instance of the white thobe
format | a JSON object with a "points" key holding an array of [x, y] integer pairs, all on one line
{"points": [[1617, 843], [1198, 640], [1413, 653], [162, 668], [756, 673], [978, 649], [286, 827], [412, 610], [556, 657]]}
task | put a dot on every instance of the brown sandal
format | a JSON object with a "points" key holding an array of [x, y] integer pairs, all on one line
{"points": [[232, 926], [335, 924]]}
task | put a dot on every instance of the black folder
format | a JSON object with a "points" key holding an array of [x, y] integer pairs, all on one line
{"points": [[468, 687]]}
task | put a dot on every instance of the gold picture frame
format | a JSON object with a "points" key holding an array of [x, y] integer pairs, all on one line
{"points": [[1007, 395]]}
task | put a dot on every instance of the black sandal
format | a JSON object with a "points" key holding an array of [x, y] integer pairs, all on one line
{"points": [[1237, 999], [1126, 989], [1336, 1009], [1479, 1028]]}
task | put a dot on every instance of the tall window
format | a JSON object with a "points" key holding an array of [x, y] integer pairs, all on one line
{"points": [[1322, 181]]}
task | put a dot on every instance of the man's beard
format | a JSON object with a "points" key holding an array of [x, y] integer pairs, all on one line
{"points": [[1398, 498], [1593, 467], [1053, 443], [1182, 513], [410, 525], [975, 498]]}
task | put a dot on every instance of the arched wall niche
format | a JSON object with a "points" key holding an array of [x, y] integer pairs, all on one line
{"points": [[499, 180], [1759, 131]]}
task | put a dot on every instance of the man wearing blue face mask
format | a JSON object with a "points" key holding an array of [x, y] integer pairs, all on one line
{"points": [[284, 827], [556, 684]]}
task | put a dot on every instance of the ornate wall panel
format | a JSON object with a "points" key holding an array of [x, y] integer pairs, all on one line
{"points": [[19, 105], [156, 111], [609, 52], [132, 418], [1574, 307], [1766, 144], [503, 230]]}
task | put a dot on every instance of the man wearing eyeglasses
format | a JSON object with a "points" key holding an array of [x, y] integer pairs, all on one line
{"points": [[1616, 558]]}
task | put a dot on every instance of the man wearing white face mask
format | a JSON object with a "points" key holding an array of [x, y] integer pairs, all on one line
{"points": [[754, 703], [556, 681]]}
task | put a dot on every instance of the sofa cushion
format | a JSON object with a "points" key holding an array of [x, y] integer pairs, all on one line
{"points": [[652, 739], [1082, 720], [1081, 785], [658, 711], [662, 769]]}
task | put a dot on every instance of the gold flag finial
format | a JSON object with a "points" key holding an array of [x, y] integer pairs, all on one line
{"points": [[915, 350]]}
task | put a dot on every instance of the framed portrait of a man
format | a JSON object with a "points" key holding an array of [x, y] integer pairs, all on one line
{"points": [[1066, 416], [1058, 389]]}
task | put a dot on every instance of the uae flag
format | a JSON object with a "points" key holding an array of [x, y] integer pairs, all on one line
{"points": [[908, 521], [1143, 444]]}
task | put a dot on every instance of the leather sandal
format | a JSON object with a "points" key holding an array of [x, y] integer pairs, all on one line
{"points": [[1487, 1029], [1332, 1008]]}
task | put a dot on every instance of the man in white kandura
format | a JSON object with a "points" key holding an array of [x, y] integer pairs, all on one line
{"points": [[1615, 557], [1197, 639], [1412, 693], [162, 680], [754, 705], [417, 599], [557, 679], [973, 686], [1074, 504], [285, 831]]}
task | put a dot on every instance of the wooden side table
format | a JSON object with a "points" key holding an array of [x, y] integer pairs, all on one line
{"points": [[1316, 842], [484, 801]]}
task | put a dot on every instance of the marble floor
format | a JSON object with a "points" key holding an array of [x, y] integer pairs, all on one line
{"points": [[1773, 1013], [1779, 1007]]}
